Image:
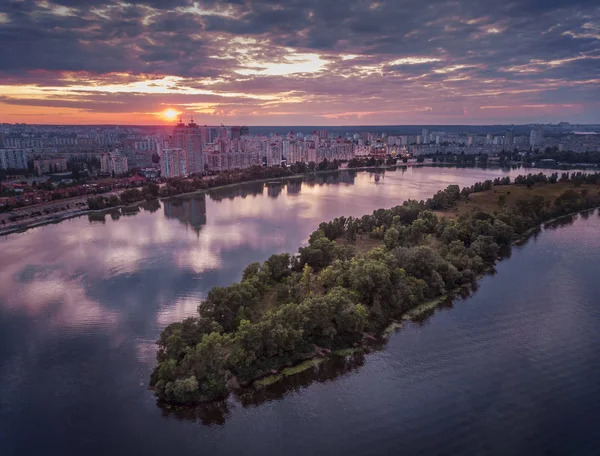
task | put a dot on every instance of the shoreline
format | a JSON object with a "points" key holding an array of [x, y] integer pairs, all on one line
{"points": [[52, 219], [481, 252], [49, 220], [382, 337]]}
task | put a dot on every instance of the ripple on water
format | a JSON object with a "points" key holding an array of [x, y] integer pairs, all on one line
{"points": [[512, 369]]}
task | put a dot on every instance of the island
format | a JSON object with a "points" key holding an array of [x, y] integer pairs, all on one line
{"points": [[355, 278]]}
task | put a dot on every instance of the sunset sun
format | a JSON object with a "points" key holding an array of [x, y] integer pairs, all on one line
{"points": [[170, 114]]}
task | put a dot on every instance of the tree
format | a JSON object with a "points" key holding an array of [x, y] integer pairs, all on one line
{"points": [[319, 252], [251, 271], [306, 279], [486, 248], [279, 266], [391, 238]]}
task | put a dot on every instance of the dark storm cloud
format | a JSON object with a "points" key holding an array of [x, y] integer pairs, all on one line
{"points": [[409, 50], [114, 103], [36, 38]]}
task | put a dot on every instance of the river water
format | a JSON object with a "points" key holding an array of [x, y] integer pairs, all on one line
{"points": [[512, 369]]}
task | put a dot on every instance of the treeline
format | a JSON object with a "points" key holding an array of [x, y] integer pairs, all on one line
{"points": [[175, 186], [178, 186], [459, 159], [363, 162], [329, 295], [577, 178], [146, 193], [569, 157], [195, 183], [366, 162], [325, 165]]}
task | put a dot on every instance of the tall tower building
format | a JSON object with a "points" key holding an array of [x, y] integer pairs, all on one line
{"points": [[194, 154], [205, 132], [173, 162], [509, 138], [536, 136], [189, 138], [236, 132], [179, 135]]}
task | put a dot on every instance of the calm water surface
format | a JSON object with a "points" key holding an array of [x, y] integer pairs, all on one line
{"points": [[513, 369]]}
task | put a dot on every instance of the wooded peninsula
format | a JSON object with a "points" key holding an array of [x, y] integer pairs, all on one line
{"points": [[355, 277]]}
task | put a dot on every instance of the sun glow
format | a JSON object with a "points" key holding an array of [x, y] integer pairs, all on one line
{"points": [[170, 114]]}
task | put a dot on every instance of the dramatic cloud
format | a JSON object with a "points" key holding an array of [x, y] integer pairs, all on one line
{"points": [[300, 61]]}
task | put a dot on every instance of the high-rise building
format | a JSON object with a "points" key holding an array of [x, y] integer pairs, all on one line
{"points": [[179, 133], [425, 136], [113, 163], [13, 158], [213, 134], [194, 153], [49, 165], [119, 165], [189, 138], [535, 137], [509, 139], [236, 132], [173, 162], [104, 162]]}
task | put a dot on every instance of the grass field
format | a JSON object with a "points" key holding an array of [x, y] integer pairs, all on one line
{"points": [[489, 201]]}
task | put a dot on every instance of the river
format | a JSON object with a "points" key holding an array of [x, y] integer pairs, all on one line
{"points": [[514, 368]]}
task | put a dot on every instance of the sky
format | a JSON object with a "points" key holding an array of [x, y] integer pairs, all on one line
{"points": [[300, 62]]}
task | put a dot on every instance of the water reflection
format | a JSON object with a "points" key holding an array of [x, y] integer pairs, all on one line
{"points": [[274, 189], [560, 222], [346, 176], [294, 187], [333, 368], [189, 210], [130, 210], [235, 191], [82, 303], [213, 414], [151, 206], [115, 214], [97, 217]]}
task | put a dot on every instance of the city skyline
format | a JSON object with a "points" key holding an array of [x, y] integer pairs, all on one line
{"points": [[294, 62]]}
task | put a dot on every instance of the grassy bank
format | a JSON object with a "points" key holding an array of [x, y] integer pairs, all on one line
{"points": [[506, 196]]}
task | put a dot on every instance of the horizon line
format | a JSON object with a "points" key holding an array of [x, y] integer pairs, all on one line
{"points": [[298, 125]]}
